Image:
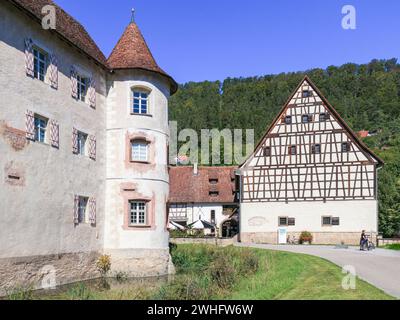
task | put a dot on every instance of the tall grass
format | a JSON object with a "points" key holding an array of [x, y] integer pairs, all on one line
{"points": [[207, 272]]}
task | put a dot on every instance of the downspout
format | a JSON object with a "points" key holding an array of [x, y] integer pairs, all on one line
{"points": [[377, 200], [238, 173]]}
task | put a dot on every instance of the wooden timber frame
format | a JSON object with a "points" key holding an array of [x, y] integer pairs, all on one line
{"points": [[309, 153]]}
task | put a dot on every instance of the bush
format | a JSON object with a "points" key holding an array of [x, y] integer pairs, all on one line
{"points": [[222, 271], [305, 237], [103, 264]]}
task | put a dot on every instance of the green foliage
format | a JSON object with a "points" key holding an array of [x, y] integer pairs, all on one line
{"points": [[394, 246], [20, 293], [367, 96], [80, 292], [305, 236], [205, 272]]}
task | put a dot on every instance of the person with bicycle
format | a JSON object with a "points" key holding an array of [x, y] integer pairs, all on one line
{"points": [[363, 240]]}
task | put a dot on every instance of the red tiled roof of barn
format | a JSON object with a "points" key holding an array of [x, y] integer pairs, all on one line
{"points": [[186, 187], [363, 133], [66, 26]]}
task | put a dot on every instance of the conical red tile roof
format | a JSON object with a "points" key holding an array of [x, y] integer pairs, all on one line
{"points": [[132, 52]]}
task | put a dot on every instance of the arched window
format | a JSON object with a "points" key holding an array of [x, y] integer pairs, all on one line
{"points": [[139, 150], [140, 101]]}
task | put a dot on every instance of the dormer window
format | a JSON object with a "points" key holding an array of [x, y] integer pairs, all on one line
{"points": [[40, 63], [140, 102], [213, 181]]}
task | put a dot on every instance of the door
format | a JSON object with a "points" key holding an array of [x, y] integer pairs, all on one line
{"points": [[282, 236]]}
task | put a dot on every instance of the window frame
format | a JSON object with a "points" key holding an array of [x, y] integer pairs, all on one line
{"points": [[291, 148], [82, 151], [38, 130], [324, 116], [267, 151], [285, 224], [306, 94], [314, 148], [82, 80], [141, 106], [348, 147], [139, 142], [82, 215], [288, 120], [36, 63], [136, 222]]}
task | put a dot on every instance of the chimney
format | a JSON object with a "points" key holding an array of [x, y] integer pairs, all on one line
{"points": [[195, 169]]}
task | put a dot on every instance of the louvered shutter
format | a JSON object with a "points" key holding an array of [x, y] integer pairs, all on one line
{"points": [[74, 83], [74, 141], [29, 60], [92, 92], [92, 147], [76, 209], [30, 125], [53, 71], [92, 213], [55, 134]]}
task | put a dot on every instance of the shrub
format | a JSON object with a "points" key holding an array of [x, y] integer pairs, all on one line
{"points": [[305, 236], [103, 264], [222, 271], [249, 262]]}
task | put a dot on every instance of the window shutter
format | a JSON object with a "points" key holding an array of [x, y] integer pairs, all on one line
{"points": [[92, 93], [53, 71], [74, 141], [76, 209], [29, 60], [92, 213], [55, 134], [92, 147], [74, 83], [30, 125]]}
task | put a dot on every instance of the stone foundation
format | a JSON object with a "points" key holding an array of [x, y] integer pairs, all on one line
{"points": [[38, 272], [141, 262], [329, 238]]}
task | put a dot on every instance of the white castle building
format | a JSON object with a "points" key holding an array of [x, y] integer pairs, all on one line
{"points": [[83, 145]]}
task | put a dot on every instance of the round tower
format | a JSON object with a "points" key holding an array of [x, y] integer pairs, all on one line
{"points": [[137, 185]]}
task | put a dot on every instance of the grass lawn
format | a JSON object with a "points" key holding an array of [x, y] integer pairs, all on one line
{"points": [[286, 275], [394, 246]]}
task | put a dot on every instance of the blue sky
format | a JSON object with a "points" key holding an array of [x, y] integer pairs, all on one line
{"points": [[197, 40]]}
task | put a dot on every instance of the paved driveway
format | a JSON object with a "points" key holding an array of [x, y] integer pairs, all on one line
{"points": [[380, 267]]}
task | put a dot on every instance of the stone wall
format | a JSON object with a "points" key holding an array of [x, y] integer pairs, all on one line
{"points": [[38, 271], [329, 238]]}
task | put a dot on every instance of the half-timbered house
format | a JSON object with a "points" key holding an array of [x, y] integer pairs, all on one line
{"points": [[310, 172]]}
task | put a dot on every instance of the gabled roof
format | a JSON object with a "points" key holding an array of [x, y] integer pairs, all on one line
{"points": [[332, 110], [67, 27], [132, 52], [186, 187]]}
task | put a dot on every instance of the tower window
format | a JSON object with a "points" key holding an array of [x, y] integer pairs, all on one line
{"points": [[140, 102], [140, 151], [345, 146], [138, 213]]}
